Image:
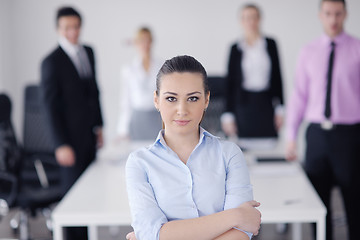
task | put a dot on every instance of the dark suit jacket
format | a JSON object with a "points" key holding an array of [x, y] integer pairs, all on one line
{"points": [[236, 94], [71, 103]]}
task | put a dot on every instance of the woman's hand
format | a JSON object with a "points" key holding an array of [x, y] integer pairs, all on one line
{"points": [[249, 217], [131, 236]]}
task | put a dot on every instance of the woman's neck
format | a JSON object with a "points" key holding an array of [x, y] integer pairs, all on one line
{"points": [[182, 144], [145, 61], [251, 38]]}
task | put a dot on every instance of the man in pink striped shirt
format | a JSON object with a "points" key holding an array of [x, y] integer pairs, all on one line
{"points": [[327, 96]]}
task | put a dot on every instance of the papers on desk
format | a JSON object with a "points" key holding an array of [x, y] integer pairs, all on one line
{"points": [[274, 169]]}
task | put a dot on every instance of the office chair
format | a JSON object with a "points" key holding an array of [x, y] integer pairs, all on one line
{"points": [[37, 180], [10, 158], [38, 146], [211, 121]]}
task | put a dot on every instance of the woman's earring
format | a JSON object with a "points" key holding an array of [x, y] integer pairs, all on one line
{"points": [[205, 109], [157, 110]]}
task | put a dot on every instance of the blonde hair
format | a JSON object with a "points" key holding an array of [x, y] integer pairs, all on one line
{"points": [[143, 30], [251, 6]]}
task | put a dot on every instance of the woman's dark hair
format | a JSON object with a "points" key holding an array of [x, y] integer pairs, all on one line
{"points": [[65, 12], [182, 64]]}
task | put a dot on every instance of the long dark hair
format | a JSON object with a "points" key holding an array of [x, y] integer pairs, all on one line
{"points": [[182, 64]]}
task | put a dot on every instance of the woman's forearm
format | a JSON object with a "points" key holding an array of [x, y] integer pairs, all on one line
{"points": [[233, 234], [206, 227], [216, 226]]}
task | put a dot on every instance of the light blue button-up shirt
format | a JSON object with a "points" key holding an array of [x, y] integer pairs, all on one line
{"points": [[162, 188]]}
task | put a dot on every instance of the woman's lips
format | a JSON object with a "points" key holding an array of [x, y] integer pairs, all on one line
{"points": [[182, 122]]}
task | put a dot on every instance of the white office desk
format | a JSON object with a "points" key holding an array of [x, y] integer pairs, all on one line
{"points": [[287, 196], [99, 197]]}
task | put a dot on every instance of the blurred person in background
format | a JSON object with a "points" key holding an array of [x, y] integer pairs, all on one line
{"points": [[71, 98], [327, 96], [254, 99], [138, 118]]}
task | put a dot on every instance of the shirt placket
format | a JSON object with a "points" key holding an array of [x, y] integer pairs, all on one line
{"points": [[190, 185], [189, 180]]}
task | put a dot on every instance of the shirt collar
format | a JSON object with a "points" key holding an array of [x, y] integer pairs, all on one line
{"points": [[137, 61], [337, 40], [260, 42], [160, 141], [68, 47]]}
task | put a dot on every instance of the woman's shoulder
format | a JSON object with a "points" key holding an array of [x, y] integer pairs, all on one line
{"points": [[228, 148], [270, 41], [230, 151], [139, 156], [234, 46]]}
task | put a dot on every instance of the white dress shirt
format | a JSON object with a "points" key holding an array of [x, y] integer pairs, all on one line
{"points": [[162, 188], [137, 91], [256, 65]]}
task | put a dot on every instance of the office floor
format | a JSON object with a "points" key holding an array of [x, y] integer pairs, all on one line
{"points": [[38, 230]]}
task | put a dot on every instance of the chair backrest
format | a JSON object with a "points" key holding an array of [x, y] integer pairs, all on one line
{"points": [[10, 157], [5, 107], [217, 85], [37, 136], [211, 121], [10, 151]]}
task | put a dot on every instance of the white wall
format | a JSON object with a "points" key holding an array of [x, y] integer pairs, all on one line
{"points": [[3, 40], [202, 28]]}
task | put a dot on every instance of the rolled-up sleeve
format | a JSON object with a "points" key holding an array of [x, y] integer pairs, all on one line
{"points": [[147, 217], [298, 101], [238, 186]]}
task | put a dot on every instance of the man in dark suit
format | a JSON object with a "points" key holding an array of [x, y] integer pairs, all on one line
{"points": [[71, 99]]}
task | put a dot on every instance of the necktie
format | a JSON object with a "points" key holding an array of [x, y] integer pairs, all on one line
{"points": [[84, 68], [329, 80]]}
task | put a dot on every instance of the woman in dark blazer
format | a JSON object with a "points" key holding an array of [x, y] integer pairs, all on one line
{"points": [[254, 84]]}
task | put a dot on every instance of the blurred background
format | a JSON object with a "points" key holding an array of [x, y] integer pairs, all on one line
{"points": [[202, 28]]}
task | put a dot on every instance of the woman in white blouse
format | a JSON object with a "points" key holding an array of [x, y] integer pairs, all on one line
{"points": [[138, 119], [254, 84]]}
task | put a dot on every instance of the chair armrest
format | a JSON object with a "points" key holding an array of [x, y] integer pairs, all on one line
{"points": [[40, 171], [46, 159], [45, 166]]}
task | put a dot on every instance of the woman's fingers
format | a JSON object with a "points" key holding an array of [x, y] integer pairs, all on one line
{"points": [[254, 203], [131, 236]]}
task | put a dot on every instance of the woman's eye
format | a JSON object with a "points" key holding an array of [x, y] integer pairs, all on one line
{"points": [[171, 99], [193, 99]]}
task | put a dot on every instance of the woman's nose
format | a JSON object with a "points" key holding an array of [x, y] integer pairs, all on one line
{"points": [[182, 108]]}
